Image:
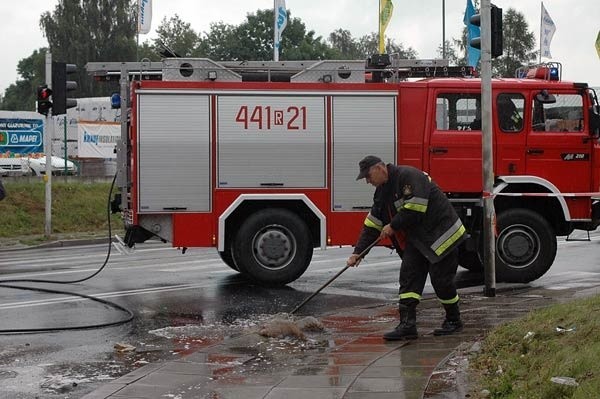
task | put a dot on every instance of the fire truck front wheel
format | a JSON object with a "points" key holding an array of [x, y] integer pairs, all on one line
{"points": [[525, 247], [273, 247]]}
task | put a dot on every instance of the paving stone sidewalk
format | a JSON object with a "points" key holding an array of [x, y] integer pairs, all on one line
{"points": [[348, 360]]}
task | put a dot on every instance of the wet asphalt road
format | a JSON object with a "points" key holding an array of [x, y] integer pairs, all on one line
{"points": [[181, 303]]}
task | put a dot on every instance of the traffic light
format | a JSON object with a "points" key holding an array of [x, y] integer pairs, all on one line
{"points": [[497, 41], [43, 99], [496, 31], [61, 86]]}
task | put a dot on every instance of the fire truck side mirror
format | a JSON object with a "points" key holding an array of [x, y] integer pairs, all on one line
{"points": [[545, 98]]}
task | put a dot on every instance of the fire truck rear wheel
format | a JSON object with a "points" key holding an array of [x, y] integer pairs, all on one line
{"points": [[273, 247], [525, 247]]}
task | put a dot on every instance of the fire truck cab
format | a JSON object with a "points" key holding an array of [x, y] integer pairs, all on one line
{"points": [[258, 159]]}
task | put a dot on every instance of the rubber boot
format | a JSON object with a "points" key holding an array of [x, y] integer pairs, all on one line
{"points": [[452, 323], [407, 329]]}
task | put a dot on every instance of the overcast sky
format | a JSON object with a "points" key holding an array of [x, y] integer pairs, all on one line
{"points": [[416, 24]]}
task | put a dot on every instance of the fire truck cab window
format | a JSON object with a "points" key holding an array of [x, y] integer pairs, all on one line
{"points": [[509, 108], [563, 115], [458, 111]]}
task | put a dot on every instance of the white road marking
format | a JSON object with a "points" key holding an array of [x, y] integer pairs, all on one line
{"points": [[116, 294]]}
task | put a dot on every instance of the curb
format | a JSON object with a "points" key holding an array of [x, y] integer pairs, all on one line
{"points": [[57, 244], [451, 375]]}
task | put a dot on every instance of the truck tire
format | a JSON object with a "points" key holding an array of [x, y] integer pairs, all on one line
{"points": [[273, 247], [525, 247], [470, 260], [227, 258]]}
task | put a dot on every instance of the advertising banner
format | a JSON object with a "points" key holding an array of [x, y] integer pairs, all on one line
{"points": [[21, 136], [98, 139]]}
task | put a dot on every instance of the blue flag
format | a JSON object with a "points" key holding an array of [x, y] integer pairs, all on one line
{"points": [[472, 32]]}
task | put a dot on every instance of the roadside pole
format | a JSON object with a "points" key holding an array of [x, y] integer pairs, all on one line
{"points": [[48, 131], [122, 166], [489, 217], [65, 142]]}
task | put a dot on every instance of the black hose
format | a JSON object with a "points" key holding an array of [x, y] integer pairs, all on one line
{"points": [[3, 283]]}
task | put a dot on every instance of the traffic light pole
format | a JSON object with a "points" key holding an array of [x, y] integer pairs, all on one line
{"points": [[48, 130], [489, 217]]}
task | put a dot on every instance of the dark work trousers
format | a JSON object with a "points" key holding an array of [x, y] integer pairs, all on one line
{"points": [[413, 275]]}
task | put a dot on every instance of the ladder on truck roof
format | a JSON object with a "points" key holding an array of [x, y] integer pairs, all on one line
{"points": [[375, 69]]}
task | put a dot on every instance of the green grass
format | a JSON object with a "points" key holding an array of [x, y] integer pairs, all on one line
{"points": [[77, 208], [511, 366]]}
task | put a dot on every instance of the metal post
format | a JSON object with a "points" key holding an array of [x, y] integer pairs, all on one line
{"points": [[444, 29], [122, 156], [48, 131], [65, 141], [489, 215], [275, 48]]}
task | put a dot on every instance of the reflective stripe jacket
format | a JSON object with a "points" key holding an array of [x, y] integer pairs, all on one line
{"points": [[413, 204]]}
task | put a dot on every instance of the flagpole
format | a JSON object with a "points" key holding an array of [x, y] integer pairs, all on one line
{"points": [[137, 35], [444, 29], [541, 23], [379, 24], [275, 52]]}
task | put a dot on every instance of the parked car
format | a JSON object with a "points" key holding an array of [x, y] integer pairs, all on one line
{"points": [[14, 167], [38, 166]]}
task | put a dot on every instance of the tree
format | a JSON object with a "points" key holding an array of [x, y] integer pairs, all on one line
{"points": [[519, 44], [178, 36], [218, 42], [82, 31], [21, 95], [300, 44], [341, 40], [369, 45], [78, 32], [350, 48], [452, 54], [253, 40], [148, 51]]}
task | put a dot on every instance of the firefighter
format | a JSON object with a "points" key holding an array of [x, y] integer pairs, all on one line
{"points": [[408, 204], [508, 115]]}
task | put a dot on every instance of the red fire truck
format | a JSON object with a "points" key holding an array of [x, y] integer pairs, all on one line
{"points": [[258, 159]]}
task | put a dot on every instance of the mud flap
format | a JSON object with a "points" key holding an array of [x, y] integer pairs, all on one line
{"points": [[135, 235]]}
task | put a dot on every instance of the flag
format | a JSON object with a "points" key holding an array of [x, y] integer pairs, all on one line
{"points": [[144, 16], [280, 15], [472, 32], [385, 14], [546, 31], [598, 44]]}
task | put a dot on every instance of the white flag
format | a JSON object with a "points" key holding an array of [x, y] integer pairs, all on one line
{"points": [[144, 16], [280, 14], [546, 32]]}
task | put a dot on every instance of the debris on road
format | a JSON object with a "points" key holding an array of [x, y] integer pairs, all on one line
{"points": [[281, 327], [122, 348]]}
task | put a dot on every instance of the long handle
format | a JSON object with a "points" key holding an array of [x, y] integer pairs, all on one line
{"points": [[360, 256]]}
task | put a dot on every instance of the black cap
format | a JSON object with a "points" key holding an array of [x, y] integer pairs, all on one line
{"points": [[365, 164]]}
